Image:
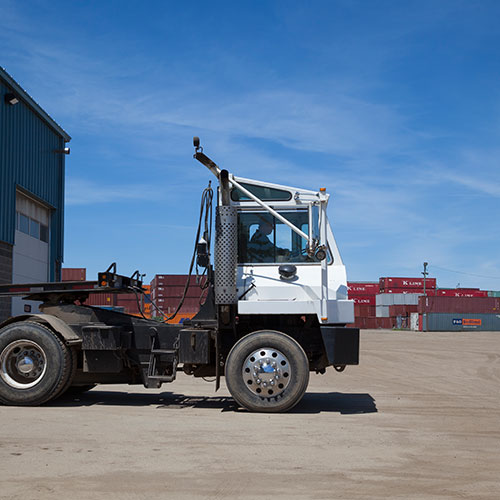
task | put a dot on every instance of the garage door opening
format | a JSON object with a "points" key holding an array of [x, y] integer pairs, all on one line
{"points": [[31, 252]]}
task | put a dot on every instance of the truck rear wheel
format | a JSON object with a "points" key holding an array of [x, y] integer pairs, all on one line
{"points": [[267, 371], [35, 364]]}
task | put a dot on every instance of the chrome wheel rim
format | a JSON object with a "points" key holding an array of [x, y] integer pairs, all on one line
{"points": [[22, 364], [266, 372]]}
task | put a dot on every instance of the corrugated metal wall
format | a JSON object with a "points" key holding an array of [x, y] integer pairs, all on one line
{"points": [[27, 160]]}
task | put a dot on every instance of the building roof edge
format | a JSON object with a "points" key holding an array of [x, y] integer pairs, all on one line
{"points": [[4, 75]]}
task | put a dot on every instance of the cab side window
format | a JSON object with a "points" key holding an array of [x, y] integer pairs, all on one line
{"points": [[264, 239]]}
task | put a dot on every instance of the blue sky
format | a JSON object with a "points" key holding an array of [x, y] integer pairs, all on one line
{"points": [[393, 106]]}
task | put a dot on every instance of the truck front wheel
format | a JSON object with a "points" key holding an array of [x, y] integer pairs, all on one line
{"points": [[267, 371], [35, 365]]}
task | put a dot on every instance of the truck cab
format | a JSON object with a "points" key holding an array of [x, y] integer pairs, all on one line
{"points": [[278, 269]]}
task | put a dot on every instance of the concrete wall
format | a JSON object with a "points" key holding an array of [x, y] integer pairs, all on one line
{"points": [[5, 277]]}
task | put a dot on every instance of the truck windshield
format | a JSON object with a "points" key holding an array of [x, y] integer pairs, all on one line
{"points": [[264, 239]]}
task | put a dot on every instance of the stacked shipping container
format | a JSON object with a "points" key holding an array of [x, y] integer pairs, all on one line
{"points": [[389, 302], [73, 274], [406, 285], [461, 292], [397, 308], [399, 296], [363, 294], [481, 305], [167, 291], [125, 302], [392, 302], [459, 313]]}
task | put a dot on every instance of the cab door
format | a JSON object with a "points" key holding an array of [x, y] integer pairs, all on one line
{"points": [[265, 244]]}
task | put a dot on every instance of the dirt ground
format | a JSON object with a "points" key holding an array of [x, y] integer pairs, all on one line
{"points": [[419, 418]]}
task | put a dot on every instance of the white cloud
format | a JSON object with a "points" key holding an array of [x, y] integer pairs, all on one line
{"points": [[489, 187], [89, 93], [86, 192]]}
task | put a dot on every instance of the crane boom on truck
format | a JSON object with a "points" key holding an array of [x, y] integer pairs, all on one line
{"points": [[275, 308]]}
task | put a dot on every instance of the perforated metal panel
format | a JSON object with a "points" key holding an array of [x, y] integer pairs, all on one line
{"points": [[226, 252]]}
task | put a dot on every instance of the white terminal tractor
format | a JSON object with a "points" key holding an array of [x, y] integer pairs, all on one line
{"points": [[273, 308]]}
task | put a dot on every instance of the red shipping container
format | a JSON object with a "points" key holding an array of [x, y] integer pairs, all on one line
{"points": [[180, 279], [462, 289], [159, 278], [177, 291], [364, 310], [459, 305], [169, 305], [402, 310], [167, 311], [73, 274], [361, 311], [128, 303], [127, 296], [121, 300], [403, 290], [367, 300], [461, 292], [430, 292], [367, 323], [101, 299], [371, 323], [358, 323], [358, 288], [121, 297], [394, 282], [175, 280], [386, 323]]}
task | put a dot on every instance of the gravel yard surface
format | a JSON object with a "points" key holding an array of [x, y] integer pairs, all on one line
{"points": [[419, 418]]}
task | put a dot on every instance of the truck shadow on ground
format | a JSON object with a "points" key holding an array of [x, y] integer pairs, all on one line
{"points": [[312, 402]]}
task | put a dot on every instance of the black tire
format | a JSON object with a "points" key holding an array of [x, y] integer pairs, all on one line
{"points": [[267, 371], [47, 362], [71, 374]]}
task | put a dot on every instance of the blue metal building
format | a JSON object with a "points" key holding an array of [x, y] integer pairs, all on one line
{"points": [[32, 163]]}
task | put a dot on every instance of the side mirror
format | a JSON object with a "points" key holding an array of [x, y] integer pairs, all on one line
{"points": [[196, 142], [321, 253]]}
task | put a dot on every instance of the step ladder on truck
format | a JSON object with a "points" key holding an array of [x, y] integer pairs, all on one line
{"points": [[273, 298]]}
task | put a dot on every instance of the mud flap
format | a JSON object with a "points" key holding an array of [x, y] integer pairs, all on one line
{"points": [[341, 345]]}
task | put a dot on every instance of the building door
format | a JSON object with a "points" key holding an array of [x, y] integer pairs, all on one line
{"points": [[31, 248]]}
